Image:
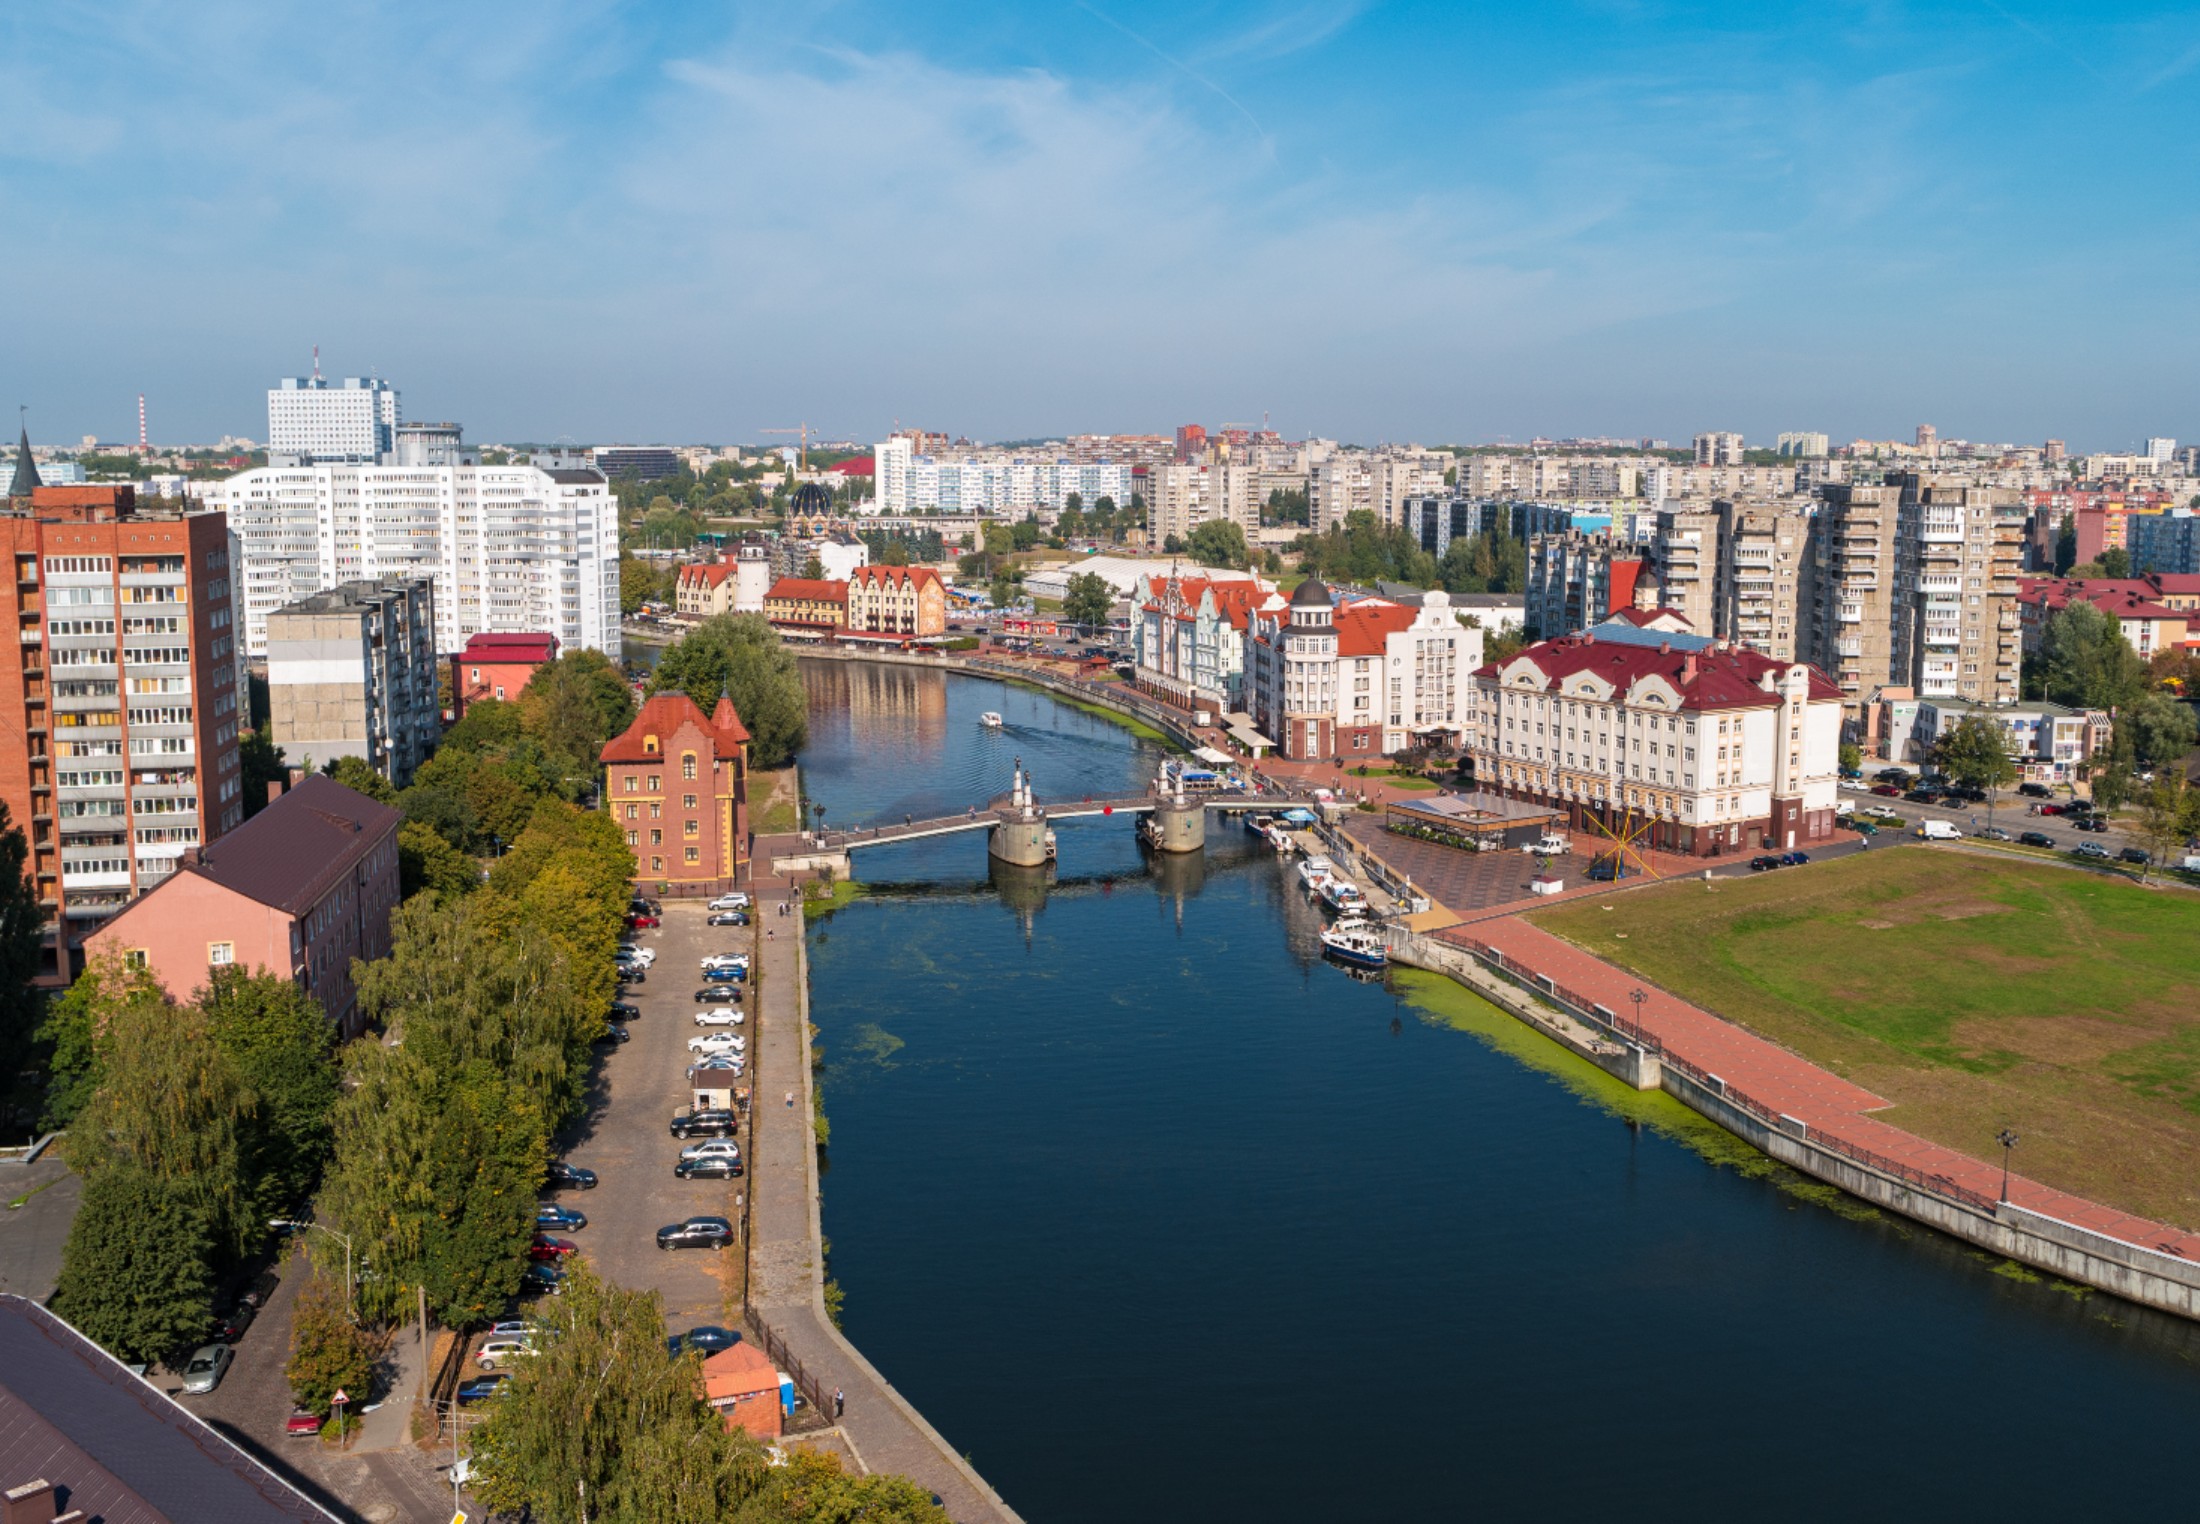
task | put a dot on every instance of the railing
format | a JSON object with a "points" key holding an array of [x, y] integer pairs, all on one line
{"points": [[813, 1391]]}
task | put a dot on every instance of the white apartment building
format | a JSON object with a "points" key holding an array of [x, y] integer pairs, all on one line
{"points": [[510, 549], [1180, 498], [1362, 678], [990, 484], [1641, 731], [311, 419], [1380, 482], [1717, 449]]}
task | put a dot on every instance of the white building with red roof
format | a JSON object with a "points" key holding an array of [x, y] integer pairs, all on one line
{"points": [[1361, 677], [1638, 724]]}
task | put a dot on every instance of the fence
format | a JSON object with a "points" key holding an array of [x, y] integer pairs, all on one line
{"points": [[813, 1391]]}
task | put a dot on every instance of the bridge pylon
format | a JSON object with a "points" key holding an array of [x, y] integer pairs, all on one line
{"points": [[1021, 836]]}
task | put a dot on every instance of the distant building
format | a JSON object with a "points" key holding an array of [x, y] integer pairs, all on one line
{"points": [[838, 554], [2161, 451], [1577, 580], [806, 607], [1359, 678], [1189, 635], [1719, 449], [1805, 445], [2048, 742], [897, 601], [2133, 604], [2164, 542], [677, 784], [313, 421], [497, 667], [300, 890], [642, 462], [83, 1438], [352, 673], [702, 589]]}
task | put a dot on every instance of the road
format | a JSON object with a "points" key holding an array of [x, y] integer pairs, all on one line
{"points": [[32, 1234]]}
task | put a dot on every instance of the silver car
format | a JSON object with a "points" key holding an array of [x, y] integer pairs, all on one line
{"points": [[206, 1367]]}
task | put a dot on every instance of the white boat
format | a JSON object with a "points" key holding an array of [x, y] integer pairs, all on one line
{"points": [[991, 720], [1279, 837], [1341, 895], [1357, 942], [1314, 872]]}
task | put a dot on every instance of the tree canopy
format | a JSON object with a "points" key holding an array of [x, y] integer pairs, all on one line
{"points": [[1974, 752], [2085, 662], [1219, 542], [1090, 599], [741, 657]]}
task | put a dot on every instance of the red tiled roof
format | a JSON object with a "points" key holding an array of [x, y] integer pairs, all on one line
{"points": [[896, 576], [1363, 627], [1235, 597], [510, 648], [861, 465], [738, 1370], [707, 574], [1713, 678], [2119, 598], [663, 715], [1643, 618], [288, 854], [807, 589]]}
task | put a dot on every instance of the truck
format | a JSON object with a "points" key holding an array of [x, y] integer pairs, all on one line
{"points": [[1937, 830]]}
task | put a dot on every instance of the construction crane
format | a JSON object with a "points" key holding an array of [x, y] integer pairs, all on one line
{"points": [[803, 430]]}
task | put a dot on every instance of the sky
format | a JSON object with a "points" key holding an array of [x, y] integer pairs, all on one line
{"points": [[1466, 222]]}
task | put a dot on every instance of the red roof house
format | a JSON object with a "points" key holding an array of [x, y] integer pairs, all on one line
{"points": [[497, 666], [677, 783]]}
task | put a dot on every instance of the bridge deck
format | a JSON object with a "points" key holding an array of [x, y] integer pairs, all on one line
{"points": [[996, 810]]}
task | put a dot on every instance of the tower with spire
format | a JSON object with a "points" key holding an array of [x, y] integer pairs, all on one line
{"points": [[26, 480]]}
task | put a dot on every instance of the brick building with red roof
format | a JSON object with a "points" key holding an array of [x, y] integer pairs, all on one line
{"points": [[808, 608], [496, 666], [2142, 608], [677, 782], [896, 602], [1700, 747]]}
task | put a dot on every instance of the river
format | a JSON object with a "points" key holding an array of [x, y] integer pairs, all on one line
{"points": [[1159, 1217]]}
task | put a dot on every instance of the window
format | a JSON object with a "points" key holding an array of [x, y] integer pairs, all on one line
{"points": [[134, 957], [691, 829], [649, 744], [633, 838], [656, 810], [656, 865], [657, 838], [693, 855], [633, 812], [687, 801], [220, 953], [687, 764], [656, 784]]}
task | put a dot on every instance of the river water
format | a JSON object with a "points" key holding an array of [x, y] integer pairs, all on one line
{"points": [[1159, 1217]]}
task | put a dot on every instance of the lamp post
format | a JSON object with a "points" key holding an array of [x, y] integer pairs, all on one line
{"points": [[1639, 996], [284, 1222], [2007, 1140]]}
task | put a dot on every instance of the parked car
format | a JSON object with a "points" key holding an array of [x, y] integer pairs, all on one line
{"points": [[726, 975], [711, 1121], [2092, 850], [625, 1010], [549, 1249], [1863, 828], [709, 1338], [632, 975], [512, 1328], [736, 900], [717, 994], [1761, 863], [729, 918], [1794, 859], [642, 922], [541, 1280], [1885, 812], [2136, 855], [725, 960], [502, 1352], [1922, 796], [236, 1321], [612, 1035], [2035, 791], [696, 1233], [302, 1424], [206, 1367], [550, 1216], [646, 956], [2035, 839], [719, 1063], [642, 904], [482, 1388], [2050, 809], [1886, 791], [562, 1176], [1992, 833], [2095, 823], [712, 1042], [721, 1016], [1603, 871], [713, 1167], [712, 1148]]}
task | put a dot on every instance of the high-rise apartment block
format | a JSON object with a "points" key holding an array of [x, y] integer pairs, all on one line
{"points": [[2161, 451], [122, 700], [352, 673], [1958, 551], [1806, 445], [510, 549], [1181, 498], [1850, 583], [1719, 449], [1762, 551], [312, 420], [1682, 574], [1577, 580]]}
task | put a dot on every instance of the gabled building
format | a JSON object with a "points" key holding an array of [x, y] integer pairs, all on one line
{"points": [[807, 607], [495, 666], [704, 588], [1188, 637], [1359, 677], [677, 782], [301, 889], [905, 602]]}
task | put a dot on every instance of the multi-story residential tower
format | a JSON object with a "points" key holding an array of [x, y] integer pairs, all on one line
{"points": [[352, 673], [1958, 551], [122, 700], [1719, 449], [1849, 585], [510, 549], [311, 420], [1577, 580], [1682, 574], [1762, 549]]}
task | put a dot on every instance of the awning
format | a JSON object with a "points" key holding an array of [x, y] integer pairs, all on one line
{"points": [[1210, 754], [1251, 739]]}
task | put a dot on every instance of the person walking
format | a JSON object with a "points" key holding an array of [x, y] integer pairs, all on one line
{"points": [[790, 1100], [840, 1402]]}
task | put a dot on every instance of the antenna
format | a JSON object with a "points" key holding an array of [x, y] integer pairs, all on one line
{"points": [[316, 362], [143, 448]]}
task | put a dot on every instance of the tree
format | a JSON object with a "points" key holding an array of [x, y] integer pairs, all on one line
{"points": [[136, 1273], [814, 569], [328, 1352], [815, 1490], [570, 708], [741, 657], [358, 775], [1219, 542], [75, 1028], [2085, 661], [280, 1043], [2066, 546], [2169, 814], [1852, 757], [1974, 752], [1090, 600], [896, 553], [2158, 727], [22, 922], [1024, 533], [426, 861], [261, 763], [2116, 563]]}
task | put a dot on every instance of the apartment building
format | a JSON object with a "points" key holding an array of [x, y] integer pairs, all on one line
{"points": [[989, 483], [352, 673], [1576, 580], [1719, 449], [1958, 552], [2165, 542], [1435, 520], [1682, 565], [1180, 498], [1188, 636], [510, 549], [897, 602], [807, 607], [123, 700], [497, 667], [1363, 677], [677, 782], [1763, 548], [311, 419], [1850, 583], [1648, 732]]}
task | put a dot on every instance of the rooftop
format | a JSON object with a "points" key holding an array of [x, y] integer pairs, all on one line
{"points": [[661, 717], [287, 855]]}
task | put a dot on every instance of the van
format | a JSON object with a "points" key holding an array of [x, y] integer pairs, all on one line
{"points": [[1937, 830]]}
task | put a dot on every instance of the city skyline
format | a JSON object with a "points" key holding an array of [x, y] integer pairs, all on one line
{"points": [[1368, 222]]}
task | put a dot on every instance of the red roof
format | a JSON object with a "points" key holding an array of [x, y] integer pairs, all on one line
{"points": [[807, 589], [663, 715], [707, 574], [737, 1370], [860, 465], [510, 648], [1235, 597], [1363, 627], [896, 576], [1642, 619], [1717, 677], [2119, 598]]}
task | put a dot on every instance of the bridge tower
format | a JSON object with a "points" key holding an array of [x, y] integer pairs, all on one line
{"points": [[1021, 837], [1177, 824]]}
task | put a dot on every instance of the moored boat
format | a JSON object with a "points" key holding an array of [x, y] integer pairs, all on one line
{"points": [[1356, 941], [1315, 871], [1341, 894]]}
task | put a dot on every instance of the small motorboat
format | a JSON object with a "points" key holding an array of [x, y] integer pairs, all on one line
{"points": [[1258, 824], [1315, 871], [991, 719], [1341, 895], [1356, 941]]}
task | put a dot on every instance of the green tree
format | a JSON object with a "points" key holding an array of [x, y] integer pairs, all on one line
{"points": [[1024, 533], [570, 708], [282, 1047], [2158, 728], [75, 1028], [1091, 598], [426, 861], [813, 1489], [1852, 757], [358, 775], [2066, 546], [814, 569], [137, 1272], [1219, 542], [896, 553], [2085, 661], [261, 763], [741, 657], [2116, 563], [328, 1352], [22, 923], [1975, 753], [1171, 545], [2169, 814]]}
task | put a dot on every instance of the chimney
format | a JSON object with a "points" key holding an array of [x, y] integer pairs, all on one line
{"points": [[274, 789], [1665, 648], [31, 1503], [1688, 668]]}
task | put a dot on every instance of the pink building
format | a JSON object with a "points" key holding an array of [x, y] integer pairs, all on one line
{"points": [[300, 889], [495, 666]]}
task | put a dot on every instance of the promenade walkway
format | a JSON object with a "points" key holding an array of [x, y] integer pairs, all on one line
{"points": [[884, 1430], [1792, 1085]]}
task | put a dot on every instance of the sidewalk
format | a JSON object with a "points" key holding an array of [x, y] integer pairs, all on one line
{"points": [[1791, 1084], [785, 1273]]}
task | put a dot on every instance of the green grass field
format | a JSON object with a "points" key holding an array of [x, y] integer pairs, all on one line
{"points": [[1975, 993]]}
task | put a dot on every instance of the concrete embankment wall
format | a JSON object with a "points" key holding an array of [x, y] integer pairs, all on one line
{"points": [[2152, 1278]]}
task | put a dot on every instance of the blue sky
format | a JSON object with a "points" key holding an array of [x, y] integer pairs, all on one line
{"points": [[1369, 221]]}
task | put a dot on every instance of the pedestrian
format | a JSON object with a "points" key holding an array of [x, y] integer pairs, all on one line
{"points": [[908, 820], [790, 1100], [840, 1402], [770, 932]]}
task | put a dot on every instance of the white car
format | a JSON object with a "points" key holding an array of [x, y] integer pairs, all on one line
{"points": [[712, 1148], [503, 1351], [725, 960], [738, 900], [719, 1063], [715, 1042], [642, 955], [723, 1016]]}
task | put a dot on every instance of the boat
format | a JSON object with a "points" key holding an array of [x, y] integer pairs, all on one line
{"points": [[991, 719], [1258, 824], [1341, 895], [1314, 871], [1279, 837], [1356, 941]]}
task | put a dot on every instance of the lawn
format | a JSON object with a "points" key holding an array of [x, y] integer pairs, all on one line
{"points": [[1974, 993]]}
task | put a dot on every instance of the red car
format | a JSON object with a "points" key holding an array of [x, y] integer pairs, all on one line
{"points": [[302, 1423], [637, 922], [1886, 791], [547, 1250], [2047, 809]]}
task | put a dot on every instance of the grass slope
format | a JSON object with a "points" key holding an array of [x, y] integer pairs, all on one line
{"points": [[1973, 993]]}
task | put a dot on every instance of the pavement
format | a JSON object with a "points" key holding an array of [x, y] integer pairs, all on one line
{"points": [[31, 1235]]}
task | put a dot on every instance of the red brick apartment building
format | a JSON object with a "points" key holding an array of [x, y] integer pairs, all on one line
{"points": [[497, 667], [119, 699], [677, 782], [300, 890]]}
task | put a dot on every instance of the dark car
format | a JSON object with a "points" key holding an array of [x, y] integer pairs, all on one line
{"points": [[1760, 864], [709, 1167], [482, 1388], [729, 918], [725, 975], [1603, 871], [1864, 828], [2134, 855], [718, 994], [632, 976], [625, 1010], [2035, 791], [546, 1250], [711, 1122], [1968, 795], [541, 1280], [563, 1218], [562, 1176], [612, 1035], [2036, 839], [1922, 796], [696, 1233], [709, 1338], [1892, 775], [1886, 791], [231, 1325], [1794, 859], [2091, 823]]}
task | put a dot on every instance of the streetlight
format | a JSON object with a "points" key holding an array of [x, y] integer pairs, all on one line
{"points": [[284, 1222], [2007, 1140], [1639, 996]]}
